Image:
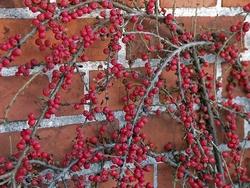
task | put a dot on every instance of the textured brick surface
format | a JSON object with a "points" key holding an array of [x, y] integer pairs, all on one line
{"points": [[169, 3], [10, 27], [137, 48], [188, 3], [218, 23], [170, 82], [71, 96], [247, 161], [57, 141], [166, 177], [11, 3], [233, 3], [239, 130], [148, 176], [29, 99], [95, 51], [237, 91], [111, 97], [163, 129], [133, 3], [114, 93]]}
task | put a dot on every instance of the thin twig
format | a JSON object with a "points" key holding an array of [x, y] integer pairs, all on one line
{"points": [[6, 112]]}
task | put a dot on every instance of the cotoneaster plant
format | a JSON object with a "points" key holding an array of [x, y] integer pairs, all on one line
{"points": [[124, 152]]}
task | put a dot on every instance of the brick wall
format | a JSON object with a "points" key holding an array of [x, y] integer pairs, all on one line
{"points": [[15, 19]]}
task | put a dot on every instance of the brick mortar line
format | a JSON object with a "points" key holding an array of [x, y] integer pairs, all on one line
{"points": [[155, 178], [84, 66], [25, 13], [245, 144], [55, 122], [77, 119], [64, 121], [123, 52], [87, 82], [218, 4], [93, 65], [95, 168]]}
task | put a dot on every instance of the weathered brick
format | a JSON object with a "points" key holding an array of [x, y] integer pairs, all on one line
{"points": [[136, 48], [111, 98], [166, 176], [163, 129], [238, 90], [148, 177], [95, 51], [171, 82], [221, 132], [189, 3], [115, 93], [233, 3], [133, 3], [246, 161], [56, 141], [29, 100], [71, 96], [140, 46], [213, 24], [11, 3], [10, 27]]}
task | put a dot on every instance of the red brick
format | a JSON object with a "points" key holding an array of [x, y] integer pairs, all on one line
{"points": [[10, 27], [56, 141], [95, 51], [11, 3], [166, 176], [212, 24], [29, 99], [221, 132], [233, 3], [237, 91], [135, 49], [133, 3], [71, 96], [170, 82], [114, 93], [246, 161], [148, 176], [69, 183], [189, 3], [163, 129]]}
